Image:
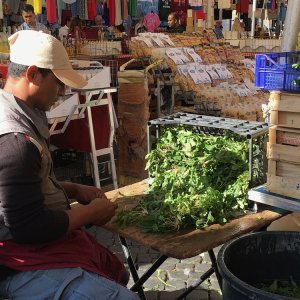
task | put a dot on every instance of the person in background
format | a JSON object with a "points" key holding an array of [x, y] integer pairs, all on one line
{"points": [[99, 21], [44, 252], [173, 24], [140, 26], [30, 22], [218, 30], [64, 31]]}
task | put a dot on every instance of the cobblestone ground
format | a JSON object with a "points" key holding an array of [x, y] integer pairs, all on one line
{"points": [[172, 277]]}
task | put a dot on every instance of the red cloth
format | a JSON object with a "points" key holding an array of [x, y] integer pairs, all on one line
{"points": [[242, 6], [125, 9], [77, 249], [51, 11], [91, 4], [90, 33], [111, 5], [76, 135], [64, 14], [200, 14], [180, 7]]}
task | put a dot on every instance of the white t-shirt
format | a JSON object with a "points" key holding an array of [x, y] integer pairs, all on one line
{"points": [[63, 31]]}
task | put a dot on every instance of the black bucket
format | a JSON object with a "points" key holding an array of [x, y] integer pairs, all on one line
{"points": [[259, 258]]}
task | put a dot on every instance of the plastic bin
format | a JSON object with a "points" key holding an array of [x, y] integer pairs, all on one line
{"points": [[274, 72], [257, 258]]}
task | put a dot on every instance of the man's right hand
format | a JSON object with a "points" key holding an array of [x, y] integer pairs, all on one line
{"points": [[104, 210], [98, 212]]}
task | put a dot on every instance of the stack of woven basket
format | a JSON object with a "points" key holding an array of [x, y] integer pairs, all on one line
{"points": [[133, 115]]}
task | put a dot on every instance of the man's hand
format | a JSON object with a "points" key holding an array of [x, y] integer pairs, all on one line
{"points": [[104, 210], [84, 194], [97, 212]]}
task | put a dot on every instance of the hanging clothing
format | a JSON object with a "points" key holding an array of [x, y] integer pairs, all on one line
{"points": [[99, 9], [125, 9], [61, 5], [83, 9], [74, 9], [197, 3], [111, 5], [13, 5], [51, 11], [271, 4], [64, 14], [69, 1], [282, 13], [132, 9], [105, 15], [118, 16], [37, 5], [91, 7], [224, 4], [79, 8], [243, 6], [164, 8], [180, 7], [151, 21], [145, 7]]}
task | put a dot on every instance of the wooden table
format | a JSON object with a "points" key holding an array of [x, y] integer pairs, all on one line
{"points": [[183, 244]]}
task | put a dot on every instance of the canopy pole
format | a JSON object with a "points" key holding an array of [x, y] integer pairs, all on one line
{"points": [[291, 26], [253, 18]]}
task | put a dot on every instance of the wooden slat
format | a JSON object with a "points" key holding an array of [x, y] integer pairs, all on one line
{"points": [[272, 167], [285, 118], [287, 102], [283, 135], [285, 169], [283, 153], [286, 186]]}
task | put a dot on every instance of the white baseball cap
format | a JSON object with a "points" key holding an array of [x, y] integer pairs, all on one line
{"points": [[35, 48]]}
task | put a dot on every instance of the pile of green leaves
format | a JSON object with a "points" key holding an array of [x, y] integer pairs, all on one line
{"points": [[296, 81], [197, 180], [288, 288]]}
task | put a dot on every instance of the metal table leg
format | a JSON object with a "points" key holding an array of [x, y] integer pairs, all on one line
{"points": [[206, 275], [139, 281]]}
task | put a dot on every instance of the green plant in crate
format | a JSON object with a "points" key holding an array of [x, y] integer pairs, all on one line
{"points": [[296, 81], [197, 180]]}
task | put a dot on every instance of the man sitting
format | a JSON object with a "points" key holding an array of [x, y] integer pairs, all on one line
{"points": [[44, 253]]}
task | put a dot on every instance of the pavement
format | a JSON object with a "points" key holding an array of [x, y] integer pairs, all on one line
{"points": [[172, 277]]}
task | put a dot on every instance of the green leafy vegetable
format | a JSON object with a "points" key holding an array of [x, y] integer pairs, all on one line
{"points": [[288, 288], [197, 180], [296, 81]]}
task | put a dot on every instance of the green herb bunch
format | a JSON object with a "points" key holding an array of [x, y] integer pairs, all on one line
{"points": [[197, 180], [296, 81], [287, 288]]}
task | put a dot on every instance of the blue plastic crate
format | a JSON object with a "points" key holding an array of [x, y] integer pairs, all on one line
{"points": [[274, 72]]}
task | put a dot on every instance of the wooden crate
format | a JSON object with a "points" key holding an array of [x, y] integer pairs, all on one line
{"points": [[283, 154], [285, 109], [284, 136]]}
